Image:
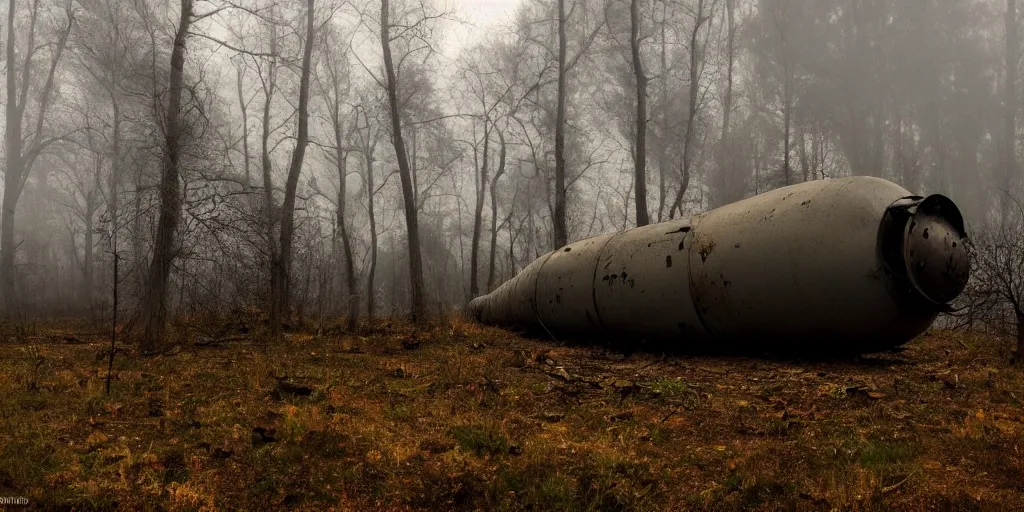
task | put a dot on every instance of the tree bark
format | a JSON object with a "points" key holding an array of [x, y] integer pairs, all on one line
{"points": [[371, 296], [560, 229], [788, 119], [341, 160], [245, 128], [640, 155], [691, 113], [725, 194], [481, 193], [154, 302], [418, 305], [1010, 103], [346, 247], [266, 168], [282, 265], [494, 210], [663, 142]]}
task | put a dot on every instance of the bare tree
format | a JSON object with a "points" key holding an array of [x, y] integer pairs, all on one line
{"points": [[404, 170], [494, 208], [696, 63], [22, 149], [154, 301], [725, 163], [334, 91], [281, 265], [561, 229], [640, 155], [565, 65], [368, 135], [995, 294], [480, 183]]}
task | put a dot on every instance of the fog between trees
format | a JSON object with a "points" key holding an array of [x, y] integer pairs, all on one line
{"points": [[325, 158]]}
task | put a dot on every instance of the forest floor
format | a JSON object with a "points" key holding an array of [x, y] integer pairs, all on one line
{"points": [[462, 417]]}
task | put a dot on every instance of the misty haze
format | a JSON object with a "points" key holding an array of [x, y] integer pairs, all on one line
{"points": [[512, 255]]}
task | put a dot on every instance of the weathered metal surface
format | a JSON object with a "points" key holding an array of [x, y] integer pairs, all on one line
{"points": [[565, 291], [643, 278], [838, 263]]}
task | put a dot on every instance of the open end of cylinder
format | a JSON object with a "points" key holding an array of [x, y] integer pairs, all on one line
{"points": [[922, 244]]}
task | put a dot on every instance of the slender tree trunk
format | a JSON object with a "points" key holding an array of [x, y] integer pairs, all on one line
{"points": [[154, 302], [411, 221], [725, 194], [1010, 102], [283, 265], [640, 162], [87, 269], [113, 201], [481, 193], [494, 210], [266, 168], [371, 296], [245, 128], [788, 117], [663, 142], [691, 113], [805, 165], [341, 157], [560, 228]]}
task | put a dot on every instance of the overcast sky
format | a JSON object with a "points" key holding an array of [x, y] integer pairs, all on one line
{"points": [[485, 12], [480, 15]]}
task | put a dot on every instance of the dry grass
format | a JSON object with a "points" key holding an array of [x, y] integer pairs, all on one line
{"points": [[460, 417]]}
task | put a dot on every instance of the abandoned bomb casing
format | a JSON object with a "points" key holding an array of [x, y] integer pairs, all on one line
{"points": [[848, 264]]}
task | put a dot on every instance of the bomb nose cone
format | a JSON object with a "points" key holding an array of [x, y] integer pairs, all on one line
{"points": [[937, 262]]}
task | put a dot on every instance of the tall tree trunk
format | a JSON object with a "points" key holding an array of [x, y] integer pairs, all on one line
{"points": [[691, 113], [154, 302], [725, 193], [805, 164], [87, 269], [663, 142], [346, 247], [411, 222], [371, 296], [341, 159], [115, 170], [266, 168], [245, 127], [481, 193], [282, 267], [1010, 103], [494, 210], [640, 163], [560, 228], [788, 117]]}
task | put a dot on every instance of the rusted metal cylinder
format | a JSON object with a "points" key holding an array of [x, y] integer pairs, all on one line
{"points": [[853, 264]]}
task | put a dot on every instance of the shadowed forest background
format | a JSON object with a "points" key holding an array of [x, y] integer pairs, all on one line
{"points": [[347, 159]]}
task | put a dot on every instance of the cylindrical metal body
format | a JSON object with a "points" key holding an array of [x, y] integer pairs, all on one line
{"points": [[852, 264]]}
